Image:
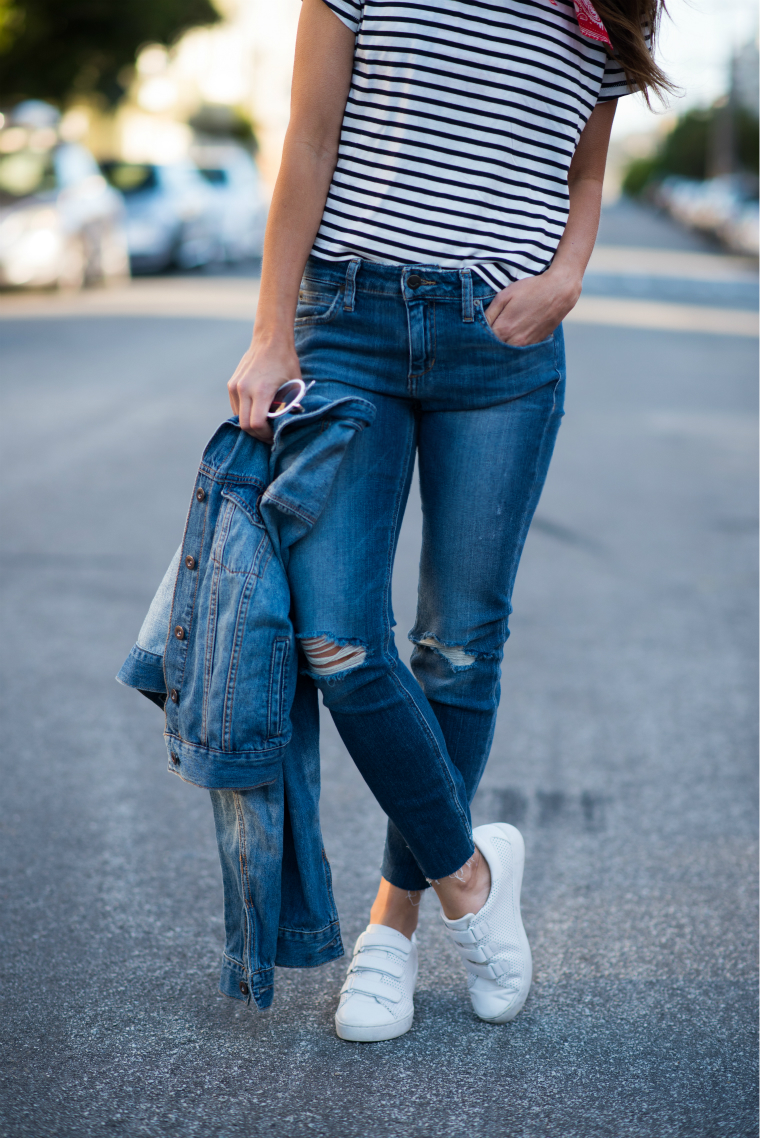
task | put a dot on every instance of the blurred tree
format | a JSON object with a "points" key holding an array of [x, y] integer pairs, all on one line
{"points": [[689, 148], [51, 49], [11, 21]]}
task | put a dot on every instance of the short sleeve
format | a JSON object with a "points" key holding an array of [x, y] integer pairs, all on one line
{"points": [[614, 83], [348, 12]]}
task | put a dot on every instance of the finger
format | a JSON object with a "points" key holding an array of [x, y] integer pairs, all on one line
{"points": [[244, 410], [232, 391], [264, 434], [262, 401], [505, 325], [497, 306]]}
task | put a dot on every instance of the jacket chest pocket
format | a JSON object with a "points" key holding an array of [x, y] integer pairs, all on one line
{"points": [[241, 544]]}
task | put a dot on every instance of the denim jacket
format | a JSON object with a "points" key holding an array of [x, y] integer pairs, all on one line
{"points": [[217, 650]]}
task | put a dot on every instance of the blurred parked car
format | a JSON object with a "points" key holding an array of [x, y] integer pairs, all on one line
{"points": [[742, 232], [241, 207], [726, 207], [171, 215], [60, 223]]}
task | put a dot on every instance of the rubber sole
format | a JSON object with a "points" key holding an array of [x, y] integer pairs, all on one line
{"points": [[377, 1034]]}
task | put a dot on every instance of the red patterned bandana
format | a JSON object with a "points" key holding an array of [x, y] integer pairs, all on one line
{"points": [[591, 26]]}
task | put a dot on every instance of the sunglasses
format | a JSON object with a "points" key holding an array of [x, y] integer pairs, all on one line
{"points": [[288, 398]]}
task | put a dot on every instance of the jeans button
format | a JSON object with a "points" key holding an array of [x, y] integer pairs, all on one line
{"points": [[414, 281], [244, 987]]}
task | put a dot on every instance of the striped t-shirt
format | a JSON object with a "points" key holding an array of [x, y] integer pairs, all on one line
{"points": [[460, 125]]}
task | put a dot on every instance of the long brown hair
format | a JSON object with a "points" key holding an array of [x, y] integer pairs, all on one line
{"points": [[628, 23]]}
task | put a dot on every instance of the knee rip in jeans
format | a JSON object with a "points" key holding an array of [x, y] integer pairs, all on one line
{"points": [[456, 656], [326, 657]]}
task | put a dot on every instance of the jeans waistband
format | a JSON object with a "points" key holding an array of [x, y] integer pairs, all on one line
{"points": [[409, 282]]}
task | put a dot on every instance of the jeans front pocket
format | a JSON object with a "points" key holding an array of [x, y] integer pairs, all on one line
{"points": [[318, 302], [482, 321]]}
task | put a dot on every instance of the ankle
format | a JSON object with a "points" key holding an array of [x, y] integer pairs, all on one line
{"points": [[465, 891], [396, 909], [405, 925]]}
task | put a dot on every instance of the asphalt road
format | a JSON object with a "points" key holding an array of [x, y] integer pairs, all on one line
{"points": [[624, 752]]}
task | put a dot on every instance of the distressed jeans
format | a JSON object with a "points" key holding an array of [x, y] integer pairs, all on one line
{"points": [[481, 417]]}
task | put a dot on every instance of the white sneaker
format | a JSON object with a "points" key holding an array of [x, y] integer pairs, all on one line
{"points": [[377, 999], [492, 942]]}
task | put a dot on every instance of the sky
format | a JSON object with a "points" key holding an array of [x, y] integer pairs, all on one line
{"points": [[696, 43]]}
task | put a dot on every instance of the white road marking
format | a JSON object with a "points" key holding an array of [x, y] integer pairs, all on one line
{"points": [[717, 267], [217, 298], [656, 315]]}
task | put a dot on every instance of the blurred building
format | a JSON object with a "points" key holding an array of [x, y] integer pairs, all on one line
{"points": [[745, 77]]}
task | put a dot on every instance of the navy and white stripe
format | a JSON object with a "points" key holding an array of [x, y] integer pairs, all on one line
{"points": [[461, 122]]}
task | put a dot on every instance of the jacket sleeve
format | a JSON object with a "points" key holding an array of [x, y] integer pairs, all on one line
{"points": [[144, 666]]}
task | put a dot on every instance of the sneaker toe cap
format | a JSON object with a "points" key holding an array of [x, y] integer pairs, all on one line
{"points": [[499, 1005], [357, 1010]]}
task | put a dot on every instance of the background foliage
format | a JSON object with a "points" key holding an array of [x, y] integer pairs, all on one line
{"points": [[51, 49], [687, 150]]}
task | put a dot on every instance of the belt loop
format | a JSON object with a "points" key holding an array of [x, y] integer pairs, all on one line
{"points": [[350, 294], [468, 310]]}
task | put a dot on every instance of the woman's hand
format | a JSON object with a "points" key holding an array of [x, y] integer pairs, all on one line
{"points": [[258, 375], [529, 310]]}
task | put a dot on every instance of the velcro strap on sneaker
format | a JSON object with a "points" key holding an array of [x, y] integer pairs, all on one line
{"points": [[480, 955], [474, 933], [490, 971], [374, 939], [371, 984], [377, 962]]}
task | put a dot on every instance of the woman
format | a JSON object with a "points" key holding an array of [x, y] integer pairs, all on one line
{"points": [[436, 207]]}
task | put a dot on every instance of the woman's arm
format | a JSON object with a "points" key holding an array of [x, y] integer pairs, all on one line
{"points": [[321, 80], [529, 310]]}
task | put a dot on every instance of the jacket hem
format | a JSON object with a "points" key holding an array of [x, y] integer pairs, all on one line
{"points": [[215, 770], [239, 984], [295, 949]]}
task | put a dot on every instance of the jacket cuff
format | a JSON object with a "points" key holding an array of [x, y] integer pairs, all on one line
{"points": [[143, 670]]}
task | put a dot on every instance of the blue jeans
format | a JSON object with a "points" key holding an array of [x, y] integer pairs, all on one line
{"points": [[482, 418]]}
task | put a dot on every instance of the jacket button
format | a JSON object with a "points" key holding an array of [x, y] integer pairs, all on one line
{"points": [[190, 561], [174, 697], [244, 987], [200, 494], [414, 281], [175, 759], [179, 632]]}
